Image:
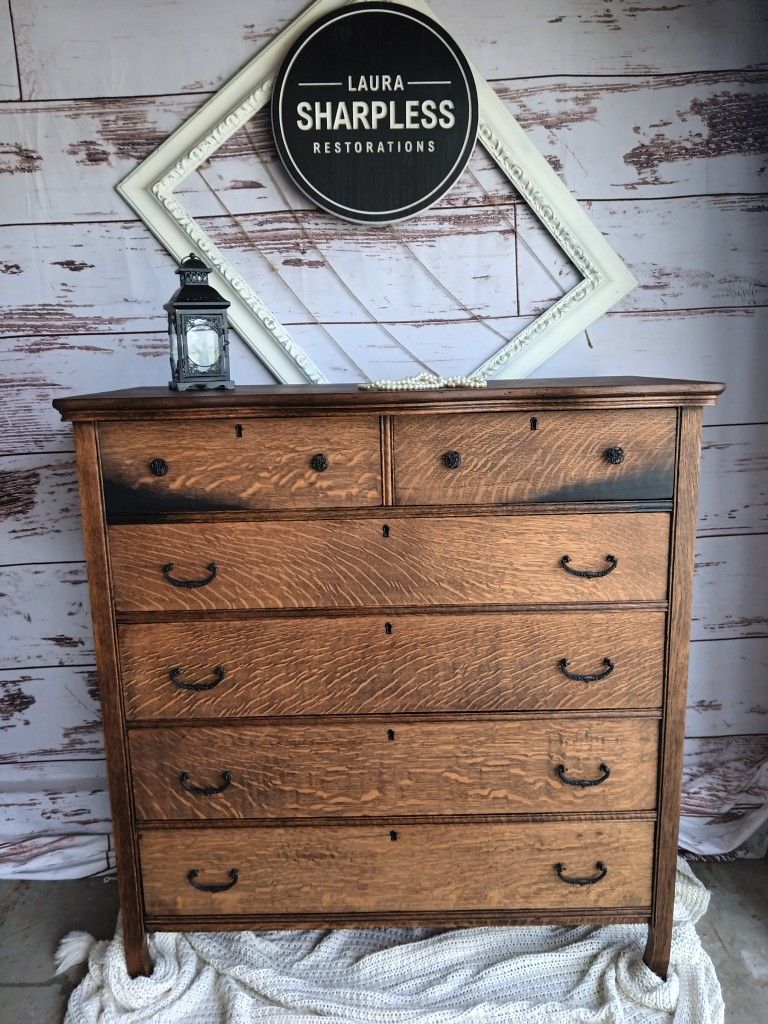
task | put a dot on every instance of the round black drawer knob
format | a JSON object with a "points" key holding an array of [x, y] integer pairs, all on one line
{"points": [[451, 460], [319, 462], [159, 467], [614, 455]]}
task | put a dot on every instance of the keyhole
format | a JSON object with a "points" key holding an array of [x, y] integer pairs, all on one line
{"points": [[385, 531], [534, 423], [239, 429], [388, 628], [393, 836], [390, 734]]}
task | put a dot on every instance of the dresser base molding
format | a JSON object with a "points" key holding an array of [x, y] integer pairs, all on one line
{"points": [[468, 919], [314, 600]]}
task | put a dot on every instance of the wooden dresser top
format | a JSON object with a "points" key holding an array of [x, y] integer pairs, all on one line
{"points": [[595, 392]]}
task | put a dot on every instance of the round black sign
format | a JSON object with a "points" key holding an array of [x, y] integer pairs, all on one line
{"points": [[374, 112]]}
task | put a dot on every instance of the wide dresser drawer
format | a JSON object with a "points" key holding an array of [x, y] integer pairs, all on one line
{"points": [[376, 562], [220, 464], [496, 458], [359, 768], [402, 662], [400, 869]]}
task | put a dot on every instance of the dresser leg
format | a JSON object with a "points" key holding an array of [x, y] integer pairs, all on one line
{"points": [[656, 954], [137, 957]]}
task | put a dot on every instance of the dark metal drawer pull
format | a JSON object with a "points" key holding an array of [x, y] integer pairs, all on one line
{"points": [[189, 584], [176, 679], [212, 888], [159, 467], [589, 574], [562, 774], [452, 460], [614, 455], [588, 678], [319, 462], [205, 790], [601, 869]]}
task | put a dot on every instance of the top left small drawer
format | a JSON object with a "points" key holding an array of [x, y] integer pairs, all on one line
{"points": [[225, 464]]}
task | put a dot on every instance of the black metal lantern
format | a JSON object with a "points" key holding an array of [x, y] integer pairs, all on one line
{"points": [[198, 331]]}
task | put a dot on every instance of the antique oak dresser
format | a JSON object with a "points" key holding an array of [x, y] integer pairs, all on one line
{"points": [[410, 658]]}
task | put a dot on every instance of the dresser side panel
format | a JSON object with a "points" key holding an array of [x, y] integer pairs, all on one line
{"points": [[115, 741], [682, 554]]}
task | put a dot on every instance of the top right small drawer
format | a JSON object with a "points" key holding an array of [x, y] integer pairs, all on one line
{"points": [[499, 458]]}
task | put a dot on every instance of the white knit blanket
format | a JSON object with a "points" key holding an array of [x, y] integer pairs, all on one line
{"points": [[480, 975]]}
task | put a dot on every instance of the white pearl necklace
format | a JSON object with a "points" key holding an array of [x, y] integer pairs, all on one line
{"points": [[423, 382]]}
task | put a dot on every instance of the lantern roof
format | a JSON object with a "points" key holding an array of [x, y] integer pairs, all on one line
{"points": [[193, 263], [194, 290]]}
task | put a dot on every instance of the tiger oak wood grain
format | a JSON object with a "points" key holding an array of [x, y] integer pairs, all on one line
{"points": [[489, 661], [356, 768], [385, 683], [422, 562], [468, 866], [541, 456], [242, 464]]}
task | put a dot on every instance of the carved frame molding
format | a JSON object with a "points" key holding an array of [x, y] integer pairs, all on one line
{"points": [[150, 190]]}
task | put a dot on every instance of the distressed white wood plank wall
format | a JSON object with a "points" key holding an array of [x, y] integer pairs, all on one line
{"points": [[656, 116], [74, 48], [692, 131]]}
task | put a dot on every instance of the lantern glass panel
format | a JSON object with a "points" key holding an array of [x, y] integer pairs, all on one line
{"points": [[173, 338], [202, 344]]}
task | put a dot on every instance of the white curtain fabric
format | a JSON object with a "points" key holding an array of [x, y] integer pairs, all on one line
{"points": [[544, 975]]}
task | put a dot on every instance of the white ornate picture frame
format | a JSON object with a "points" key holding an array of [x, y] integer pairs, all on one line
{"points": [[150, 191]]}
